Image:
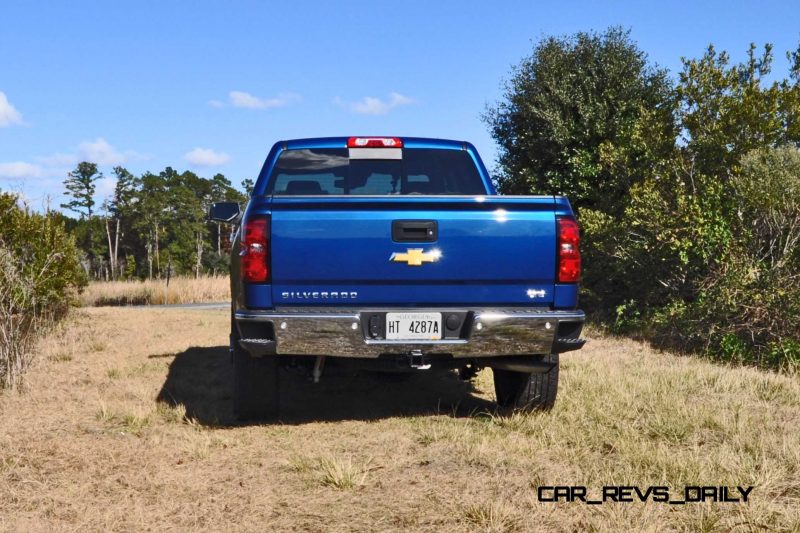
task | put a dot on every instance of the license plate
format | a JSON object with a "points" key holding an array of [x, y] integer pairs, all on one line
{"points": [[414, 326]]}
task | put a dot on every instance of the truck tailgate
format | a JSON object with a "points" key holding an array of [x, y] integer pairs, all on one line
{"points": [[340, 251]]}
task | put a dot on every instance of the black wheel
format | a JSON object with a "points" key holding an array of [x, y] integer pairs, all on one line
{"points": [[523, 391], [256, 383]]}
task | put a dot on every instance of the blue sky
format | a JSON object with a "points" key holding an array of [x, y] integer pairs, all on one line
{"points": [[210, 86]]}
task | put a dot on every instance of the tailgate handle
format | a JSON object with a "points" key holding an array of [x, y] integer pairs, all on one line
{"points": [[415, 230]]}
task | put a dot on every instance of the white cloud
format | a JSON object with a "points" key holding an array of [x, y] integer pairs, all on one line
{"points": [[370, 105], [105, 186], [19, 170], [8, 114], [248, 101], [206, 157], [59, 160], [102, 153], [98, 151]]}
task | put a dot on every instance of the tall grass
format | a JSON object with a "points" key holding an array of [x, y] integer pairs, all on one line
{"points": [[180, 290]]}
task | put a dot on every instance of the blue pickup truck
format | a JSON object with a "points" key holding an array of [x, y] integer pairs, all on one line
{"points": [[397, 255]]}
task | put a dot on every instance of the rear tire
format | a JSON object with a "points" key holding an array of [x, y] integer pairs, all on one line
{"points": [[256, 385], [526, 392]]}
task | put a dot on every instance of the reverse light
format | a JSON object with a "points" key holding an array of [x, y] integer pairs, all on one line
{"points": [[569, 255], [254, 250], [374, 142]]}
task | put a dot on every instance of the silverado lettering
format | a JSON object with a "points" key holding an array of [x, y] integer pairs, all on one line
{"points": [[306, 295], [473, 280]]}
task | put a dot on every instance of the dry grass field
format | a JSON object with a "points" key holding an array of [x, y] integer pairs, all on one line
{"points": [[126, 425], [181, 290]]}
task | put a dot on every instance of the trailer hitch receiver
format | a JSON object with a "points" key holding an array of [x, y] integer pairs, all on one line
{"points": [[418, 361]]}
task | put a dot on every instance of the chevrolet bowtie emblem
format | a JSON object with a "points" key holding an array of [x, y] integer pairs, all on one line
{"points": [[415, 257]]}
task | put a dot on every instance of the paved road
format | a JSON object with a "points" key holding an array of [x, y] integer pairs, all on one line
{"points": [[212, 305]]}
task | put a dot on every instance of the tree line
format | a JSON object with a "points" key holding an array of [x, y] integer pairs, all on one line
{"points": [[152, 226], [687, 187]]}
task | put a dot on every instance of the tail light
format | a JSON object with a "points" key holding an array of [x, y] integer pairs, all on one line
{"points": [[569, 255], [254, 251]]}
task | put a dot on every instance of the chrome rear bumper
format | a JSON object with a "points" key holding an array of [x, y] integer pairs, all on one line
{"points": [[340, 333]]}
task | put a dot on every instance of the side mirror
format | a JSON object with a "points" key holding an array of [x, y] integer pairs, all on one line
{"points": [[226, 212]]}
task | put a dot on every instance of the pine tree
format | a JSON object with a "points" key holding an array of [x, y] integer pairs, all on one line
{"points": [[80, 184]]}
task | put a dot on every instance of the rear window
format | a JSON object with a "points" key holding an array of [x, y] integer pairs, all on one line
{"points": [[331, 171]]}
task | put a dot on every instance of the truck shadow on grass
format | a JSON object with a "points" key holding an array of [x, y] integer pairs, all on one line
{"points": [[200, 379]]}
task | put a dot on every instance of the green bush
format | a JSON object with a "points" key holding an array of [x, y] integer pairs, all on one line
{"points": [[756, 298], [668, 237], [39, 275], [768, 200], [44, 253], [705, 266]]}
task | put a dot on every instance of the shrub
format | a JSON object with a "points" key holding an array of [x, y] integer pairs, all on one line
{"points": [[755, 298], [44, 252], [768, 198], [18, 321], [673, 231], [39, 275], [706, 266]]}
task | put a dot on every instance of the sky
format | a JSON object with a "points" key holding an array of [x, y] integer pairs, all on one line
{"points": [[210, 86]]}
